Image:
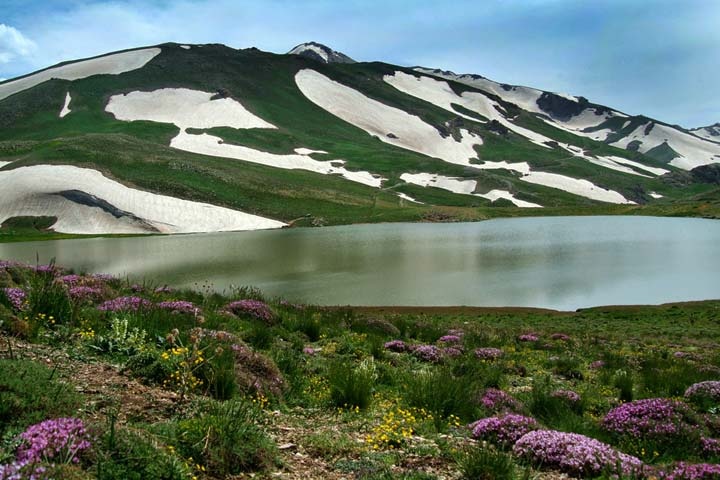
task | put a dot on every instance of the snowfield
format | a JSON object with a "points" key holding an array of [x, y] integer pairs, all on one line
{"points": [[576, 186], [389, 124], [114, 64], [711, 133], [205, 144], [66, 107], [693, 151], [184, 108], [439, 93], [307, 46], [461, 186], [106, 206]]}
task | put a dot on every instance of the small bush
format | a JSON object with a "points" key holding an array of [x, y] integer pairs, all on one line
{"points": [[29, 394], [485, 463], [223, 437], [441, 393], [352, 385]]}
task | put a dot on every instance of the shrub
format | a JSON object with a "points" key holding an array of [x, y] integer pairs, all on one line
{"points": [[656, 418], [125, 304], [483, 463], [179, 307], [254, 309], [395, 346], [427, 353], [503, 431], [352, 385], [705, 395], [698, 471], [224, 438], [29, 394], [488, 353], [126, 454], [494, 400], [13, 298], [574, 454], [256, 373], [441, 393]]}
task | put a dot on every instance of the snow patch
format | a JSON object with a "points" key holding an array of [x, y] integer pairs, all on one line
{"points": [[185, 108], [391, 125], [693, 151], [205, 144], [308, 46], [408, 198], [461, 186], [113, 64], [655, 195], [66, 108], [36, 191], [186, 47], [2, 164], [582, 188], [440, 94], [307, 151]]}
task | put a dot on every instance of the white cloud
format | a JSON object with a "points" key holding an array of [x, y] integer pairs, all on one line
{"points": [[14, 44]]}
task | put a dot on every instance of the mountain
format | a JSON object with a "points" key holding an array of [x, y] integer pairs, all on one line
{"points": [[318, 51], [711, 132], [184, 138]]}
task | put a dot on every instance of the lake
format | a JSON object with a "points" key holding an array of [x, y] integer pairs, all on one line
{"points": [[552, 262]]}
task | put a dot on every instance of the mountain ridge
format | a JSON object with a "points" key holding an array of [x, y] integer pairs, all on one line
{"points": [[284, 137]]}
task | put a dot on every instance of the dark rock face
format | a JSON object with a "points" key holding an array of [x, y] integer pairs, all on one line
{"points": [[707, 173], [497, 127], [83, 198], [310, 50], [560, 107]]}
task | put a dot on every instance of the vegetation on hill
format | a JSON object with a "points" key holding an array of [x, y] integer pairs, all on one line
{"points": [[144, 381]]}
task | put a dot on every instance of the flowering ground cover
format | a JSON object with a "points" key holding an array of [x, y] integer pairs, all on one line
{"points": [[236, 385]]}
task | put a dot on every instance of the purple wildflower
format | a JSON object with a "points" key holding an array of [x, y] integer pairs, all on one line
{"points": [[103, 277], [130, 304], [710, 446], [709, 390], [58, 441], [503, 431], [488, 353], [179, 307], [652, 417], [450, 339], [452, 352], [81, 293], [164, 289], [697, 471], [16, 297], [427, 353], [597, 365], [309, 351], [498, 401], [252, 308], [574, 454], [560, 336], [529, 337], [395, 346], [567, 395]]}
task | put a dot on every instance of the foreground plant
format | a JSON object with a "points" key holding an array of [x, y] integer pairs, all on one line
{"points": [[575, 454]]}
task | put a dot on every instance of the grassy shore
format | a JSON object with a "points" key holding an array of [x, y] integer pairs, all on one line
{"points": [[157, 383]]}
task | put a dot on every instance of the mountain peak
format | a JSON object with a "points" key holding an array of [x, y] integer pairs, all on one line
{"points": [[320, 52]]}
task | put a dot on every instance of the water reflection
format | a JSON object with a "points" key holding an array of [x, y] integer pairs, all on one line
{"points": [[560, 262]]}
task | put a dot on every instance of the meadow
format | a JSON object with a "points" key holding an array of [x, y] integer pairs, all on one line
{"points": [[104, 378]]}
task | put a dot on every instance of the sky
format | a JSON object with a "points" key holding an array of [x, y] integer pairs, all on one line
{"points": [[659, 58]]}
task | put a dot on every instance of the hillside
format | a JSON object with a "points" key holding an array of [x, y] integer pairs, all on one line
{"points": [[132, 381], [185, 138]]}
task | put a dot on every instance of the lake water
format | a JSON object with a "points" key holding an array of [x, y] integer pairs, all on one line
{"points": [[552, 262]]}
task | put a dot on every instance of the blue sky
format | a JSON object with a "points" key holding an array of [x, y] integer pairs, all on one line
{"points": [[659, 58]]}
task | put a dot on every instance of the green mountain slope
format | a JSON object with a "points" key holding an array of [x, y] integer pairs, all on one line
{"points": [[137, 154]]}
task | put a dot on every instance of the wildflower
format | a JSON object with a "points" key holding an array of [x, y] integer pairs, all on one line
{"points": [[450, 339], [252, 308], [80, 293], [395, 346], [529, 337], [652, 417], [179, 307], [503, 431], [58, 441], [495, 400], [309, 351], [488, 353], [574, 454], [16, 297], [567, 395], [709, 390], [131, 304], [427, 353]]}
